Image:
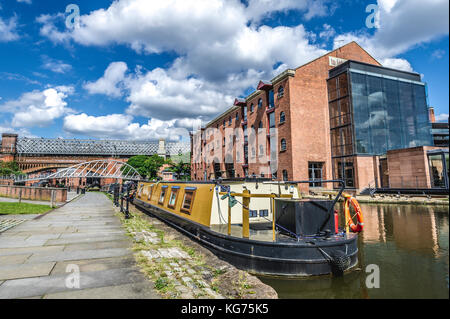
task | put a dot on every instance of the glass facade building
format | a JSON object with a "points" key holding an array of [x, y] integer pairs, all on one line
{"points": [[373, 110]]}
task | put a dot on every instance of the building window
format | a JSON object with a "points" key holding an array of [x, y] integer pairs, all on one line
{"points": [[315, 171], [229, 121], [173, 197], [283, 145], [251, 108], [261, 150], [271, 99], [237, 117], [162, 196], [252, 213], [272, 119], [282, 117], [224, 123], [280, 91], [245, 114], [188, 200], [263, 212], [260, 125], [260, 103], [285, 175]]}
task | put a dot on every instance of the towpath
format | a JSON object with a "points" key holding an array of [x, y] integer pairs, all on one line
{"points": [[79, 250]]}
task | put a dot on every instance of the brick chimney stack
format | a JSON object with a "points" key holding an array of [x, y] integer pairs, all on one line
{"points": [[9, 142], [431, 114]]}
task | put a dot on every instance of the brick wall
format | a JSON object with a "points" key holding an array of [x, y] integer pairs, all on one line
{"points": [[34, 193]]}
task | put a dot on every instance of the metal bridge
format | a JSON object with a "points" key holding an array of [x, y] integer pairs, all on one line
{"points": [[93, 169]]}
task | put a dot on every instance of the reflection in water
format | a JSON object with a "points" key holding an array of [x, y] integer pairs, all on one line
{"points": [[408, 243]]}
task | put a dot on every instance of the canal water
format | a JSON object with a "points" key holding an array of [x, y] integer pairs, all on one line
{"points": [[408, 243]]}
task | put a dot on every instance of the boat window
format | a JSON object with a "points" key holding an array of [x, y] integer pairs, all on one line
{"points": [[162, 196], [188, 200], [150, 191], [173, 197], [263, 212], [253, 213]]}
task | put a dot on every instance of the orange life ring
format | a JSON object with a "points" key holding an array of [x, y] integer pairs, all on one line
{"points": [[348, 219]]}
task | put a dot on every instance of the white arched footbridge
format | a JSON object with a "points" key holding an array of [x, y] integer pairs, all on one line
{"points": [[93, 169]]}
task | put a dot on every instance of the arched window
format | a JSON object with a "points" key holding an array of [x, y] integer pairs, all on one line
{"points": [[237, 117], [285, 175], [280, 91], [259, 103], [229, 121], [261, 150], [282, 117], [283, 144], [260, 125], [251, 107]]}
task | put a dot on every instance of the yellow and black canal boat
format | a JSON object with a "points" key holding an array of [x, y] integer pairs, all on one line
{"points": [[263, 227]]}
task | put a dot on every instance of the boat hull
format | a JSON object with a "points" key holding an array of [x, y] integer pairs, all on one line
{"points": [[287, 259]]}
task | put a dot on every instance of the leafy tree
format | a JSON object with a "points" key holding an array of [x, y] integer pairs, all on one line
{"points": [[138, 163], [181, 169], [152, 165], [9, 168]]}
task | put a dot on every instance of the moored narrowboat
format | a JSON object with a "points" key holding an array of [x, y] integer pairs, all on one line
{"points": [[265, 228]]}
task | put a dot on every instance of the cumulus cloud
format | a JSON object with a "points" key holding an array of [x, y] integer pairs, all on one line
{"points": [[258, 9], [108, 84], [403, 24], [8, 30], [400, 64], [56, 66], [121, 127], [38, 108], [443, 117]]}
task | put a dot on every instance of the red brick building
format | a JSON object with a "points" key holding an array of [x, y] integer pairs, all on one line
{"points": [[301, 139]]}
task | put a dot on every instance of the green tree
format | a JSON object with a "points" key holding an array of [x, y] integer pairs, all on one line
{"points": [[152, 165], [9, 168], [138, 163], [181, 169]]}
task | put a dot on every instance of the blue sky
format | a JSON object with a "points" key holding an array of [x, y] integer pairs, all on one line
{"points": [[146, 69]]}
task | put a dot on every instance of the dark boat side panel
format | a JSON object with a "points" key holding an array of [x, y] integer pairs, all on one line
{"points": [[268, 258]]}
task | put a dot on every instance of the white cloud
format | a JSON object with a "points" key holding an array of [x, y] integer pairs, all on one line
{"points": [[108, 84], [121, 127], [404, 24], [443, 117], [55, 65], [38, 108], [400, 64], [328, 32], [258, 9], [8, 29], [6, 128], [25, 1]]}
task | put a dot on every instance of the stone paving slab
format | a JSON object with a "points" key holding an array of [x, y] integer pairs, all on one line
{"points": [[38, 286], [13, 259], [26, 270], [35, 255], [23, 250], [95, 264], [128, 291], [85, 239], [98, 245], [80, 254]]}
